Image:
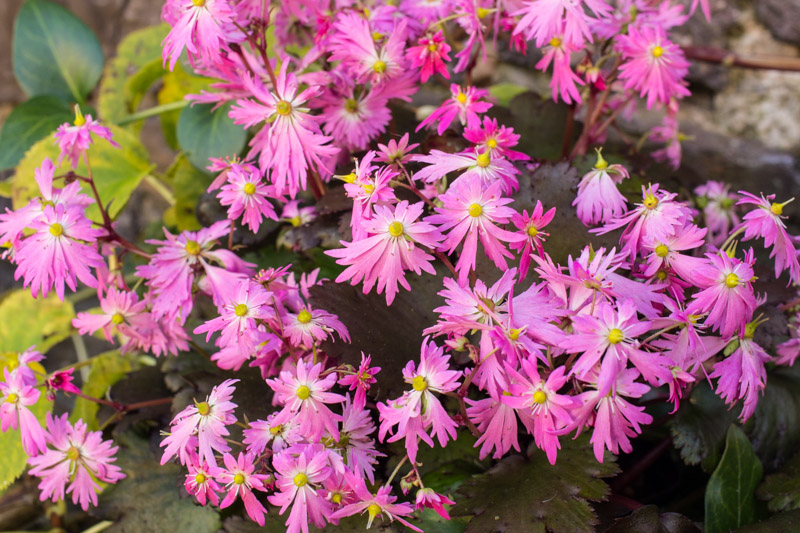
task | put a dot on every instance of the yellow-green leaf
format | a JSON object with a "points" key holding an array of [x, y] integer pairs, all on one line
{"points": [[188, 185], [177, 84], [116, 171], [25, 321]]}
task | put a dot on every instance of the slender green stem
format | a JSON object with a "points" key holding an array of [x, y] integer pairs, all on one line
{"points": [[83, 355], [162, 190], [152, 112]]}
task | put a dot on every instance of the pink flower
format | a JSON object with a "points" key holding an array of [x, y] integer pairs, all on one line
{"points": [[240, 481], [497, 422], [766, 222], [300, 473], [375, 504], [15, 412], [666, 254], [57, 254], [495, 139], [355, 444], [531, 228], [207, 422], [428, 499], [290, 142], [296, 215], [717, 203], [489, 169], [543, 411], [73, 140], [396, 152], [263, 433], [361, 380], [120, 309], [61, 380], [304, 396], [200, 26], [430, 55], [201, 481], [354, 45], [615, 419], [559, 52], [77, 461], [352, 115], [652, 65], [727, 294], [309, 326], [598, 198], [245, 194], [418, 409], [464, 105], [544, 19], [368, 185], [393, 246], [742, 375], [471, 212]]}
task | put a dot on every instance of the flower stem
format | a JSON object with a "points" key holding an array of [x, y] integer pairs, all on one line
{"points": [[152, 112]]}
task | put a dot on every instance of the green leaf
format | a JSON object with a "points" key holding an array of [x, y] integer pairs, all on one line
{"points": [[29, 122], [774, 428], [116, 171], [188, 185], [203, 133], [505, 92], [647, 519], [730, 493], [788, 522], [149, 499], [54, 52], [127, 76], [699, 427], [106, 369], [177, 84], [13, 459], [534, 496], [25, 321], [781, 490]]}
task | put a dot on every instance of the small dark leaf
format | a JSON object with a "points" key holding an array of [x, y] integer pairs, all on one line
{"points": [[54, 52], [730, 493], [531, 495], [699, 427], [775, 427], [149, 499], [782, 489], [29, 122], [647, 519], [203, 133]]}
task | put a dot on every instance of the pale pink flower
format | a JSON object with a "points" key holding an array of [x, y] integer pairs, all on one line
{"points": [[200, 26], [471, 212], [430, 56], [300, 472], [598, 199], [73, 140], [355, 444], [76, 462], [354, 116], [368, 185], [474, 163], [310, 326], [544, 19], [15, 412], [201, 481], [247, 196], [298, 216], [564, 81], [240, 481], [742, 375], [466, 106], [717, 203], [394, 245], [666, 254], [396, 152], [767, 221], [375, 504], [121, 311], [497, 422], [267, 433]]}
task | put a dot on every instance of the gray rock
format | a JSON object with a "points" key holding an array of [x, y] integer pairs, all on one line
{"points": [[782, 17]]}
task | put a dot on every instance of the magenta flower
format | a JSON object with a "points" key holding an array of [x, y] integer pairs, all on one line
{"points": [[266, 433], [61, 380], [766, 222], [77, 461], [361, 380], [304, 396], [394, 246], [352, 115], [489, 169], [202, 425], [497, 422], [300, 473], [430, 56], [396, 152], [495, 139], [284, 143], [375, 504], [464, 105], [429, 499], [310, 326], [717, 203], [742, 375], [73, 140], [531, 226], [470, 212], [564, 81], [355, 444], [200, 26], [544, 19], [240, 481], [598, 199], [57, 254], [121, 310], [368, 185], [418, 409], [353, 44], [247, 197], [201, 481], [653, 65], [727, 294], [666, 254], [15, 412]]}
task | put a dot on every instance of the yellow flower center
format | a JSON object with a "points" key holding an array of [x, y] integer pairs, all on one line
{"points": [[492, 143], [200, 478], [249, 188], [12, 398], [661, 275], [192, 247], [238, 479], [419, 383], [295, 220], [12, 364], [615, 336], [379, 67], [73, 453], [475, 210], [240, 309], [432, 47], [203, 408], [601, 164], [732, 280], [283, 107], [300, 479], [349, 178], [80, 120], [555, 42], [117, 319], [377, 36], [303, 392], [274, 430], [650, 201], [482, 12], [336, 498], [657, 51], [373, 510], [776, 209], [368, 188], [351, 105], [56, 229], [514, 334], [662, 250], [461, 98], [539, 397], [304, 317], [396, 229], [532, 231], [483, 160], [199, 3]]}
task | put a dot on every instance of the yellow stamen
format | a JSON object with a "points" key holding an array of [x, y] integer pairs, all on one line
{"points": [[304, 317], [650, 200], [73, 453], [662, 250], [396, 229], [419, 383], [117, 319], [351, 105], [514, 334], [303, 392], [475, 210], [657, 51], [776, 209], [199, 3], [12, 397], [274, 430], [80, 120], [238, 479], [539, 397], [615, 336], [192, 247], [373, 510], [249, 188], [240, 310], [368, 188], [492, 143], [336, 498], [377, 36], [203, 408], [200, 478], [379, 67], [461, 98], [300, 479], [555, 42], [432, 47], [482, 12], [56, 229], [483, 160], [295, 220], [283, 107], [532, 231], [348, 178], [731, 280], [601, 164], [661, 275]]}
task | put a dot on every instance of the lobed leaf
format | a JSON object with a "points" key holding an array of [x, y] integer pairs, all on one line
{"points": [[13, 459], [781, 490]]}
